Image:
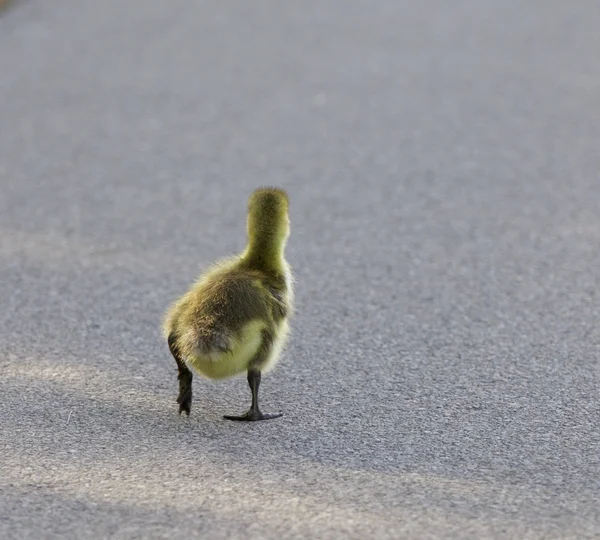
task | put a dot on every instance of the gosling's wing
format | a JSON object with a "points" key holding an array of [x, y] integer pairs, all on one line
{"points": [[236, 299], [279, 306], [278, 295]]}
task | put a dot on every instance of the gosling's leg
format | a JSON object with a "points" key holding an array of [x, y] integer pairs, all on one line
{"points": [[254, 413], [184, 377]]}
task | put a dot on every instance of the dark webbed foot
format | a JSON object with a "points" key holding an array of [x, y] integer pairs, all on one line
{"points": [[185, 401], [185, 378], [253, 416], [185, 392]]}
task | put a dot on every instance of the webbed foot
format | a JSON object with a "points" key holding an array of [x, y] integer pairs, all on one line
{"points": [[185, 401], [185, 393], [185, 377], [253, 415]]}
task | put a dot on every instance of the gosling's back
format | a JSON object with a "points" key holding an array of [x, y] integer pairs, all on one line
{"points": [[218, 324]]}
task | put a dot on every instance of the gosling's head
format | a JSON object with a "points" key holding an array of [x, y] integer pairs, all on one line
{"points": [[268, 219]]}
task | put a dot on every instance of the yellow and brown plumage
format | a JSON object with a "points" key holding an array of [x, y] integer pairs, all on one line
{"points": [[235, 317]]}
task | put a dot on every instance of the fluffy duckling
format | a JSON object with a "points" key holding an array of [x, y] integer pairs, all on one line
{"points": [[235, 317]]}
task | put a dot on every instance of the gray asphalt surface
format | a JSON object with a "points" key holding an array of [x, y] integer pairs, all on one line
{"points": [[443, 163]]}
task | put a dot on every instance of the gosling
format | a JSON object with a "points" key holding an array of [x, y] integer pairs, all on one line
{"points": [[235, 317]]}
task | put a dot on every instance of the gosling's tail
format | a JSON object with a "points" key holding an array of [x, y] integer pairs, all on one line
{"points": [[218, 343], [206, 343]]}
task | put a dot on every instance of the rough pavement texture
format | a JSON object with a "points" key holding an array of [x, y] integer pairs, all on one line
{"points": [[442, 164]]}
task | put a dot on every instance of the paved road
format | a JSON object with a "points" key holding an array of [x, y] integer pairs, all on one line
{"points": [[443, 167]]}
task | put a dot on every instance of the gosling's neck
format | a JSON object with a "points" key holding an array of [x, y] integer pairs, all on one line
{"points": [[265, 253]]}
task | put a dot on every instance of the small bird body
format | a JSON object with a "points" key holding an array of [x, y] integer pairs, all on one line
{"points": [[235, 317]]}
